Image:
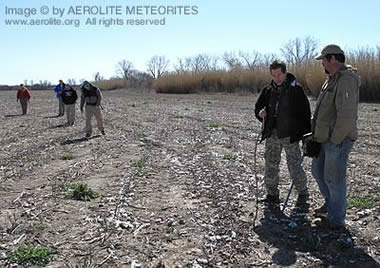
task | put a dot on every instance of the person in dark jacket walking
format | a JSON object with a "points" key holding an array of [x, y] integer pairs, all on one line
{"points": [[284, 109], [69, 97], [92, 97], [58, 89], [23, 95]]}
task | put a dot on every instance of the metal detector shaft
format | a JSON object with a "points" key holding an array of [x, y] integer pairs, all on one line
{"points": [[292, 185]]}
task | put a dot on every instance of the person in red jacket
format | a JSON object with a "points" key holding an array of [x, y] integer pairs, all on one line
{"points": [[23, 95]]}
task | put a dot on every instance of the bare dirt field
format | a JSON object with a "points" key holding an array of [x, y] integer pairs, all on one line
{"points": [[177, 187]]}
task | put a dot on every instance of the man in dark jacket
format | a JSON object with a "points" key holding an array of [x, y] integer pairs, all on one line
{"points": [[284, 109], [69, 97], [92, 97]]}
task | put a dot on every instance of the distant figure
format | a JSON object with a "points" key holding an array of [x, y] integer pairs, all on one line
{"points": [[58, 89], [69, 97], [92, 97], [23, 95]]}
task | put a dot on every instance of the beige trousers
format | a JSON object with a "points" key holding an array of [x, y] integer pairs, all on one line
{"points": [[90, 111], [70, 113]]}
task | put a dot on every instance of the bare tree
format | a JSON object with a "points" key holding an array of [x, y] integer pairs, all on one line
{"points": [[98, 77], [195, 64], [199, 63], [124, 68], [181, 66], [251, 60], [242, 60], [214, 64], [300, 51], [268, 58], [232, 61], [157, 66], [72, 81]]}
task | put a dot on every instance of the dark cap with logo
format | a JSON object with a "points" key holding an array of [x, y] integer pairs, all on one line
{"points": [[330, 49]]}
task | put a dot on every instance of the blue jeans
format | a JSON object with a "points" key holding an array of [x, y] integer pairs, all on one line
{"points": [[329, 169]]}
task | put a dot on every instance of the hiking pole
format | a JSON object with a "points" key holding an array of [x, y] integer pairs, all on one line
{"points": [[255, 168], [292, 185]]}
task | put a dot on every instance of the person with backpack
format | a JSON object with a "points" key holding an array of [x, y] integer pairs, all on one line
{"points": [[69, 97], [92, 98]]}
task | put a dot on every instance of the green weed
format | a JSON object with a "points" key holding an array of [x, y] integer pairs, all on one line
{"points": [[81, 192], [67, 156], [231, 157], [214, 125], [362, 202], [31, 255]]}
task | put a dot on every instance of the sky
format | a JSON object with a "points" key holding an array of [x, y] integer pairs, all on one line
{"points": [[78, 51]]}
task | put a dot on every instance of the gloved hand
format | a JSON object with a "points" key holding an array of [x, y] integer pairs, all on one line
{"points": [[309, 147]]}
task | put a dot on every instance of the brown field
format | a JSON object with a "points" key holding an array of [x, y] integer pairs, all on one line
{"points": [[175, 176]]}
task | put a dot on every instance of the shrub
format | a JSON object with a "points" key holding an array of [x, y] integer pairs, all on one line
{"points": [[81, 192], [31, 255]]}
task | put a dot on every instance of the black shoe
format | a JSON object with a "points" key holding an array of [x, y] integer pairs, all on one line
{"points": [[321, 210], [324, 223], [88, 135], [272, 199], [103, 133]]}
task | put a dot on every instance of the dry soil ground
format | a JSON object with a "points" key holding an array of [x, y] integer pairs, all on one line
{"points": [[177, 187]]}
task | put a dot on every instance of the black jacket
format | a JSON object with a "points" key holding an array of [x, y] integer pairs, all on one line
{"points": [[299, 114], [69, 96]]}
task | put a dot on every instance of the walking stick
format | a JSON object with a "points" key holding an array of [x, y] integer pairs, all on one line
{"points": [[255, 168], [299, 165]]}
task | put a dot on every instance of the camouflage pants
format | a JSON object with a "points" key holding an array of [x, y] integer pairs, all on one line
{"points": [[273, 148]]}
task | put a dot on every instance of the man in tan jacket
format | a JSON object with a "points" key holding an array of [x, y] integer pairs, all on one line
{"points": [[334, 126]]}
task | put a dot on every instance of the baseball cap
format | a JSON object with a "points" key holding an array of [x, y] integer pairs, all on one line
{"points": [[330, 49]]}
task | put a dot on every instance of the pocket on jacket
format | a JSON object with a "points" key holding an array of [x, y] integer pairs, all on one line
{"points": [[321, 132]]}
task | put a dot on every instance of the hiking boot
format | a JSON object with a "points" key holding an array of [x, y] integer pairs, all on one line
{"points": [[88, 135], [321, 210], [272, 199], [325, 223], [103, 133]]}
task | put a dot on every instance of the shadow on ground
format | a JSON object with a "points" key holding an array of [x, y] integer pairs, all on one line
{"points": [[79, 140], [295, 233], [13, 115], [52, 116]]}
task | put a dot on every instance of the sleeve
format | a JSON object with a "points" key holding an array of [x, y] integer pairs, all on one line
{"points": [[75, 95], [346, 104], [100, 97], [305, 111], [28, 94], [82, 101]]}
